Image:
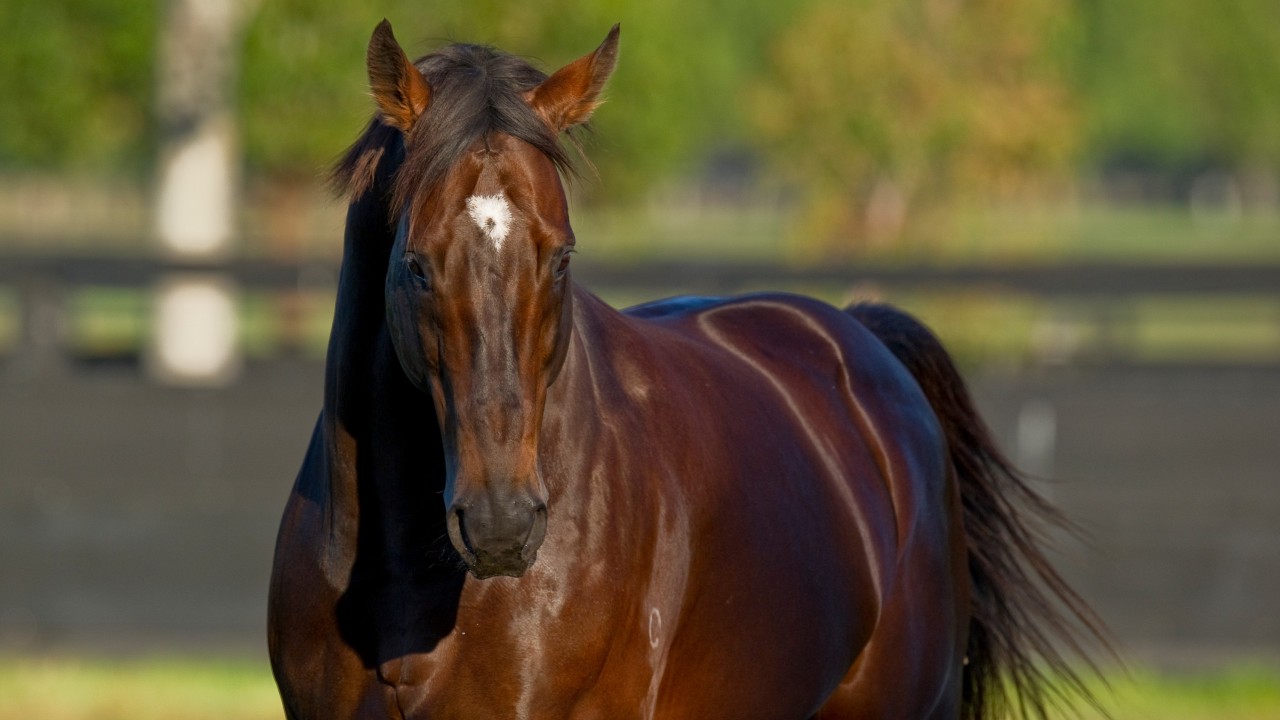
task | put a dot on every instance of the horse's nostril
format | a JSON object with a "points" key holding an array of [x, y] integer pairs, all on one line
{"points": [[458, 534], [537, 532], [462, 530]]}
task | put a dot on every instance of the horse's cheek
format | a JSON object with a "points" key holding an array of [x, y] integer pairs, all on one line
{"points": [[408, 338]]}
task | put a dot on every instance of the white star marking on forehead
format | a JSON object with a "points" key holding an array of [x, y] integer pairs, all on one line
{"points": [[492, 215]]}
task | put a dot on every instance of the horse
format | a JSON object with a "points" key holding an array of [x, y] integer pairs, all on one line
{"points": [[520, 502]]}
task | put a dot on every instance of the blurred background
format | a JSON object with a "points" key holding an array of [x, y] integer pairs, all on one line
{"points": [[1081, 197]]}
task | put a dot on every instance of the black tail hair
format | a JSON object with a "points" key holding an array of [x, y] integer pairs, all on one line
{"points": [[1028, 629]]}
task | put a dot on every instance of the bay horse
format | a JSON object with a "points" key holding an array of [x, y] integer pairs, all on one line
{"points": [[519, 502]]}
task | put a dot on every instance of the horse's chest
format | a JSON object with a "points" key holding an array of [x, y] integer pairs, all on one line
{"points": [[530, 669], [534, 683]]}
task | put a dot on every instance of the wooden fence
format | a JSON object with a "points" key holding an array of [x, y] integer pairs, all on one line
{"points": [[43, 283]]}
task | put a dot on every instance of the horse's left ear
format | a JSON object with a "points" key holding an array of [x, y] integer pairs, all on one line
{"points": [[568, 97]]}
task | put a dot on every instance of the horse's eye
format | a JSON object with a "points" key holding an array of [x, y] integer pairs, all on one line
{"points": [[415, 268], [564, 262]]}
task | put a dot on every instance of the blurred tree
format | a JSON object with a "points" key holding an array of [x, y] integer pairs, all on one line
{"points": [[1170, 85], [77, 82], [882, 108], [879, 109], [304, 96]]}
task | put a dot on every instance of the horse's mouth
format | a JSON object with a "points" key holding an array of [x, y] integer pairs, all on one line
{"points": [[512, 562], [504, 565]]}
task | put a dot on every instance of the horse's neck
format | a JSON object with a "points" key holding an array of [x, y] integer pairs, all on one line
{"points": [[587, 410], [586, 359], [600, 332]]}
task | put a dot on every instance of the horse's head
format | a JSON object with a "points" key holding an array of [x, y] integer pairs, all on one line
{"points": [[477, 289]]}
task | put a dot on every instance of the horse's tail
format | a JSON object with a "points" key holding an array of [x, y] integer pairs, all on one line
{"points": [[1027, 626]]}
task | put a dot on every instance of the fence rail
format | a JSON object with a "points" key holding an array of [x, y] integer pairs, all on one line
{"points": [[44, 282]]}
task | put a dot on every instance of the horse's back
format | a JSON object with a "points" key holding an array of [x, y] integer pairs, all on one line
{"points": [[843, 470], [829, 385], [817, 366]]}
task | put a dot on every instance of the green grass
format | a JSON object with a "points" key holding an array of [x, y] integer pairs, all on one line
{"points": [[1096, 233], [1240, 694], [195, 689], [1018, 234], [179, 689]]}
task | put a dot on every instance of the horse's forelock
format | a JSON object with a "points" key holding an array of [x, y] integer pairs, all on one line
{"points": [[476, 92]]}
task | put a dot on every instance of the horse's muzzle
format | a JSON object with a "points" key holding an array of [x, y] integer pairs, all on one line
{"points": [[498, 537]]}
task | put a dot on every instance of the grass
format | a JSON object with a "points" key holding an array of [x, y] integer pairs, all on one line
{"points": [[1098, 232], [196, 689], [1011, 234], [1238, 694], [176, 689]]}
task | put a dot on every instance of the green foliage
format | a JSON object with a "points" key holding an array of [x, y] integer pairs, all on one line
{"points": [[304, 92], [77, 84], [882, 106], [1179, 83], [877, 109]]}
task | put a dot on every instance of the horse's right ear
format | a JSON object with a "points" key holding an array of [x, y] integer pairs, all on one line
{"points": [[398, 88]]}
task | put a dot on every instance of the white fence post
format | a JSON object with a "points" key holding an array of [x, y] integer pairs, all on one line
{"points": [[195, 330]]}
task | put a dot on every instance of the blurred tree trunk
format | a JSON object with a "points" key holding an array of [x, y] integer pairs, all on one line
{"points": [[196, 199], [195, 338]]}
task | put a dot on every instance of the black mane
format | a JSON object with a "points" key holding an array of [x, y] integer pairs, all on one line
{"points": [[476, 91]]}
